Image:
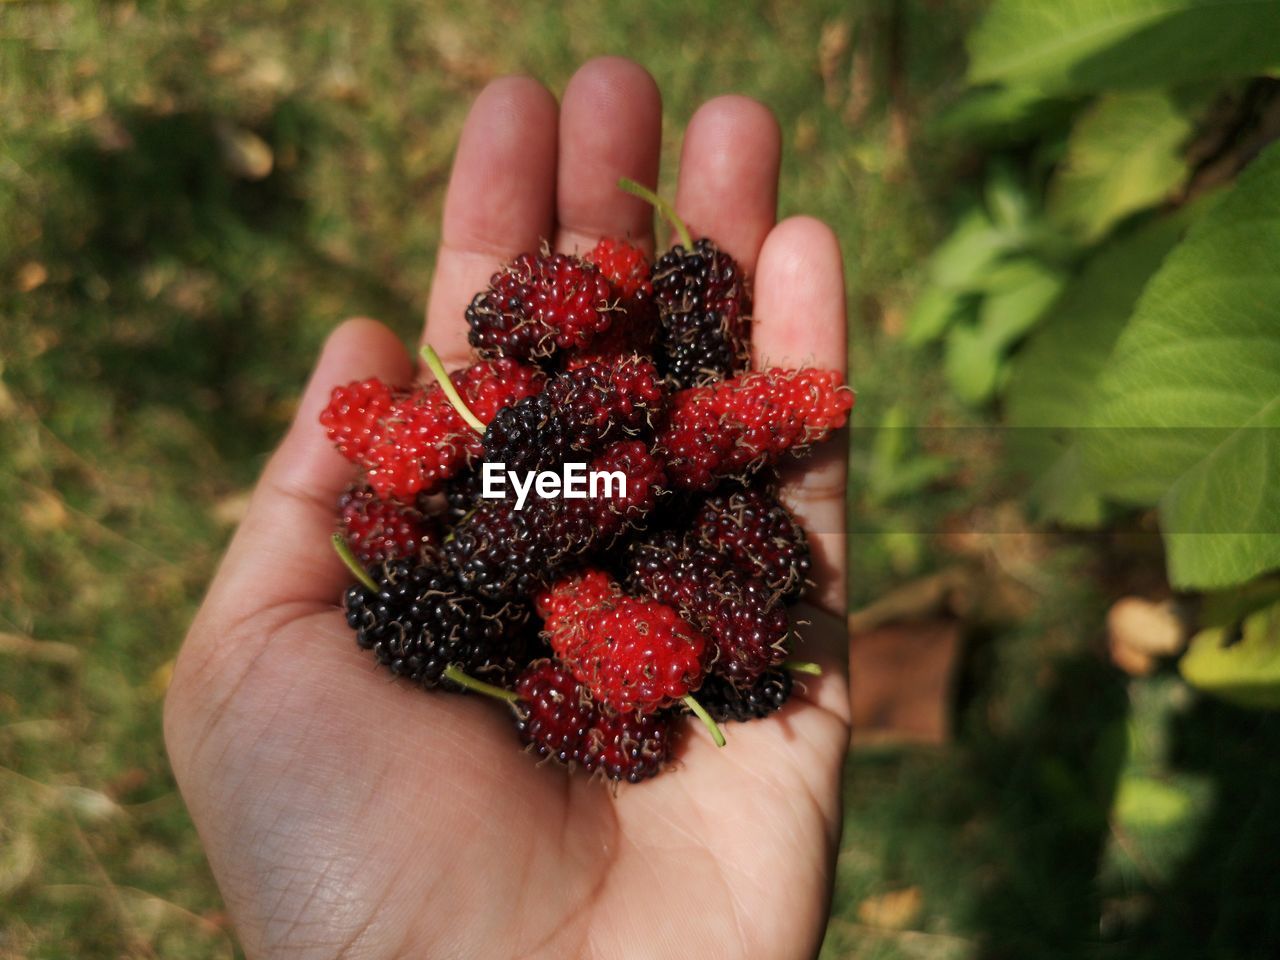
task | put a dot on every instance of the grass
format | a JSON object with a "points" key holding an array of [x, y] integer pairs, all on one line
{"points": [[160, 311]]}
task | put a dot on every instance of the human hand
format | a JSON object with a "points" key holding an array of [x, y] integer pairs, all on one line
{"points": [[347, 816]]}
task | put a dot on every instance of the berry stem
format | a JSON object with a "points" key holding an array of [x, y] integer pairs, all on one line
{"points": [[432, 360], [667, 211], [803, 666], [349, 559], [701, 713], [454, 672]]}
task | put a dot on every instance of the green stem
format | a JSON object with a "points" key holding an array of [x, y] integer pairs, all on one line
{"points": [[667, 211], [804, 666], [701, 713], [344, 553], [446, 384], [454, 673]]}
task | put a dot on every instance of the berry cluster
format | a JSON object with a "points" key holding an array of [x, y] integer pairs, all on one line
{"points": [[604, 616]]}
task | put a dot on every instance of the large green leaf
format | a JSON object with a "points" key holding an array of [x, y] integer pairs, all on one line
{"points": [[1087, 46], [1055, 374], [1236, 484], [1192, 385], [1242, 665], [1123, 154]]}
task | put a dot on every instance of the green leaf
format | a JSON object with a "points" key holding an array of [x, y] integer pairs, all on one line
{"points": [[1243, 667], [1019, 292], [1122, 155], [958, 267], [970, 249], [1055, 374], [972, 365], [935, 310], [1088, 46], [1145, 803], [1194, 379], [1006, 198]]}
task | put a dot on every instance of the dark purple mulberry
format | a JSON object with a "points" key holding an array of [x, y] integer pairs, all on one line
{"points": [[704, 308]]}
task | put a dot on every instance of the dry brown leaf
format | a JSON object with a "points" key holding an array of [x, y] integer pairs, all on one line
{"points": [[244, 153], [19, 857], [1133, 662], [915, 599], [833, 44], [44, 651], [1147, 626], [44, 513], [93, 806], [91, 103], [225, 60], [267, 76], [901, 686], [158, 682], [861, 81], [110, 134], [31, 275], [231, 509], [37, 730], [896, 910], [806, 136]]}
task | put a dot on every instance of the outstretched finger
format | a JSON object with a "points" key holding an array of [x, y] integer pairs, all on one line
{"points": [[610, 127], [728, 184]]}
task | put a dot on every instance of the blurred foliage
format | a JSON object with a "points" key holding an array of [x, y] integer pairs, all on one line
{"points": [[1189, 404], [989, 283], [1056, 374], [1138, 364]]}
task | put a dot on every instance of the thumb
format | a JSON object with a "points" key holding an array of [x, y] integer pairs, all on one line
{"points": [[281, 553]]}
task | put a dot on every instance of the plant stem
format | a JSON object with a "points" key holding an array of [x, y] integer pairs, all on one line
{"points": [[344, 553], [454, 673], [667, 211], [804, 666], [701, 713], [432, 360]]}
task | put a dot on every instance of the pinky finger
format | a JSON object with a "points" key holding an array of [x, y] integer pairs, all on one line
{"points": [[799, 321]]}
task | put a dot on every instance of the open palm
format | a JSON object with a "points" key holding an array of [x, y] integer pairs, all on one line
{"points": [[346, 814]]}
